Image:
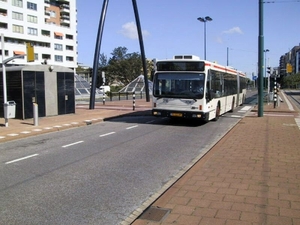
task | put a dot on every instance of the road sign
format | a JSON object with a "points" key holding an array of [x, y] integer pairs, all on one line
{"points": [[289, 68], [30, 52]]}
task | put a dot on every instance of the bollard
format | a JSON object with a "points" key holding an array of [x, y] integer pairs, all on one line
{"points": [[133, 96], [275, 92], [35, 114], [103, 99]]}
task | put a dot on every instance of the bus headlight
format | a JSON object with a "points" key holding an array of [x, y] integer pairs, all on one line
{"points": [[196, 116]]}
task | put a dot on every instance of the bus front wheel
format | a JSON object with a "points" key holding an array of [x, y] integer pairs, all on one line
{"points": [[217, 113]]}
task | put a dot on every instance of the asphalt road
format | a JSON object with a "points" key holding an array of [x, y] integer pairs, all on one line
{"points": [[99, 174]]}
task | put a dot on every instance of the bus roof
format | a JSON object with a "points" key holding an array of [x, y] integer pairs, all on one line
{"points": [[212, 65]]}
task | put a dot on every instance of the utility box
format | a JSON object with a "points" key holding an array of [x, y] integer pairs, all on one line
{"points": [[9, 109]]}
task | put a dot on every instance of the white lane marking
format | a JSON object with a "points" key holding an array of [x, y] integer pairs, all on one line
{"points": [[75, 143], [12, 135], [103, 135], [128, 128], [283, 115], [25, 132], [246, 108], [291, 108], [1, 137], [37, 130], [297, 119], [26, 157], [235, 116]]}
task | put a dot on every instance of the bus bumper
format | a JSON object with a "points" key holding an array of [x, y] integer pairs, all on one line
{"points": [[179, 114]]}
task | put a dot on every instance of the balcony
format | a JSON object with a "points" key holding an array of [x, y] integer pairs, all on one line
{"points": [[47, 15], [64, 8], [47, 3]]}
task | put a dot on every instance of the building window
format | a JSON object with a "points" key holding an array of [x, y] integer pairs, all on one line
{"points": [[36, 56], [69, 47], [18, 29], [18, 3], [3, 12], [32, 19], [45, 33], [32, 6], [69, 59], [5, 52], [3, 25], [58, 35], [58, 47], [17, 16], [46, 56], [69, 36], [58, 58], [32, 31]]}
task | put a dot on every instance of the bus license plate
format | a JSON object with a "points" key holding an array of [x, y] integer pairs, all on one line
{"points": [[176, 114]]}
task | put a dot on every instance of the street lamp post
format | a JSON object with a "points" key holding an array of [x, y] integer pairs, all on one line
{"points": [[204, 20]]}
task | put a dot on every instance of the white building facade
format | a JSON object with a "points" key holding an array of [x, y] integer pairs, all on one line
{"points": [[49, 25]]}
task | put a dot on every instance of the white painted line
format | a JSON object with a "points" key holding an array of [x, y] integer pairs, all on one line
{"points": [[246, 108], [1, 137], [235, 116], [66, 124], [37, 130], [103, 135], [298, 121], [75, 143], [12, 135], [74, 123], [48, 128], [128, 128], [288, 102], [57, 126], [285, 115], [26, 157], [25, 132]]}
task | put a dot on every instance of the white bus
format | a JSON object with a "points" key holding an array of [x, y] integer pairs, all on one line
{"points": [[187, 87]]}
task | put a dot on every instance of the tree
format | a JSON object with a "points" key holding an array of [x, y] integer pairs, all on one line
{"points": [[292, 81], [124, 66]]}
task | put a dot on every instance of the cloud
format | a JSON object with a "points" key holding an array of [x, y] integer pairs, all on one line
{"points": [[234, 30], [129, 30], [219, 40]]}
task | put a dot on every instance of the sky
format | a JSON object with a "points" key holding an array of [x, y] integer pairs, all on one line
{"points": [[170, 27]]}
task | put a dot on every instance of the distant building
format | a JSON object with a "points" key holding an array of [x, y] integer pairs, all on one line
{"points": [[293, 58], [49, 25]]}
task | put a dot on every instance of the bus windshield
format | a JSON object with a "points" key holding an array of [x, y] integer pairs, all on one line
{"points": [[179, 85]]}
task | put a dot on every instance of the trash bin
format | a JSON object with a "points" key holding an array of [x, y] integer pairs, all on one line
{"points": [[9, 109]]}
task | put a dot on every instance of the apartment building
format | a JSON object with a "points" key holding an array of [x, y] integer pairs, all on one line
{"points": [[49, 25]]}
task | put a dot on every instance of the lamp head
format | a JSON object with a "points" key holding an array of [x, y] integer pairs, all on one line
{"points": [[208, 18], [201, 19]]}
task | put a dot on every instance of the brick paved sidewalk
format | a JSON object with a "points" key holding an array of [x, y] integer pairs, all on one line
{"points": [[252, 176]]}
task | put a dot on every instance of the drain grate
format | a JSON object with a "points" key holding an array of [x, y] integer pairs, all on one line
{"points": [[155, 214]]}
